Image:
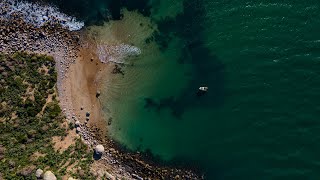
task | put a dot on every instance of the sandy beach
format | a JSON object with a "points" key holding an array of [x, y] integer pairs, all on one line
{"points": [[80, 86]]}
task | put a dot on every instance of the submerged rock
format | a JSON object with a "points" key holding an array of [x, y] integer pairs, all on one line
{"points": [[48, 175]]}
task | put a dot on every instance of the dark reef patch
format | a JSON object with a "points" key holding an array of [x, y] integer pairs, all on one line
{"points": [[208, 69]]}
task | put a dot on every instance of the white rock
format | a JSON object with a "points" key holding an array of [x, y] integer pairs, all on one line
{"points": [[77, 123], [48, 175], [39, 172], [99, 149], [71, 178]]}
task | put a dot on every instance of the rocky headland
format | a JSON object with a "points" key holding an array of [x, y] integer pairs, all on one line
{"points": [[79, 68]]}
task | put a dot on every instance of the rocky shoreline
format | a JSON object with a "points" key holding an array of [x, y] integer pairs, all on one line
{"points": [[64, 46]]}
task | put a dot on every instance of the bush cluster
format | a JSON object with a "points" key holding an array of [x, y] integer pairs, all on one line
{"points": [[28, 122]]}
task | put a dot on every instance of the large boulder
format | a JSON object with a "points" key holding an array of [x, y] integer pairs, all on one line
{"points": [[98, 152], [48, 175], [39, 173], [77, 123], [98, 94], [78, 129], [99, 149]]}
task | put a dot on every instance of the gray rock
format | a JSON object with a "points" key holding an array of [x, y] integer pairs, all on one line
{"points": [[48, 175], [98, 94], [77, 123], [137, 177], [39, 173], [99, 149], [78, 129]]}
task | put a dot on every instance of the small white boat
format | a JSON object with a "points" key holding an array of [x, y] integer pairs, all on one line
{"points": [[203, 88]]}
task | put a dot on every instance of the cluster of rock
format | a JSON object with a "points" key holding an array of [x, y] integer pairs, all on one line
{"points": [[48, 175], [86, 134], [51, 39], [38, 15]]}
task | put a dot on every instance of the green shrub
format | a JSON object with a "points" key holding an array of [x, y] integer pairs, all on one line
{"points": [[29, 133]]}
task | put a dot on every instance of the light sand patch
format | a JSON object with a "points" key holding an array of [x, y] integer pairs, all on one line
{"points": [[62, 144], [36, 155], [13, 115], [48, 100]]}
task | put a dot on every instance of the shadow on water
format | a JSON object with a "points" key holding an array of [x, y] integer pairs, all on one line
{"points": [[208, 69]]}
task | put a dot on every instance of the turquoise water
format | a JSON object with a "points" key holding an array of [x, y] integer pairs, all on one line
{"points": [[261, 62]]}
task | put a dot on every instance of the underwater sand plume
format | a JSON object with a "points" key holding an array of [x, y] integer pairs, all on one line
{"points": [[116, 53]]}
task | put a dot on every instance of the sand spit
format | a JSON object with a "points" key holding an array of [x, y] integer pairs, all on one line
{"points": [[79, 72]]}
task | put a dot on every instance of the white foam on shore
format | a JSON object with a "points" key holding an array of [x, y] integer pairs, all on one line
{"points": [[38, 15], [116, 53]]}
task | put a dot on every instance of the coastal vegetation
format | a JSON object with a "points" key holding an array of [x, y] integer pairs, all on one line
{"points": [[30, 117]]}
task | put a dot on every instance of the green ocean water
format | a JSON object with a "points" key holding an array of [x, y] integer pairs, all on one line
{"points": [[261, 62]]}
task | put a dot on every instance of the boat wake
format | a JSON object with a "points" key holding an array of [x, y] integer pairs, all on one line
{"points": [[38, 15]]}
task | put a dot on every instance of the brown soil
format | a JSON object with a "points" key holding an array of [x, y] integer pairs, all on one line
{"points": [[63, 144]]}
